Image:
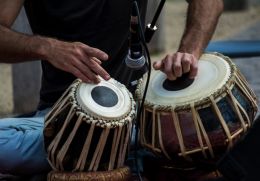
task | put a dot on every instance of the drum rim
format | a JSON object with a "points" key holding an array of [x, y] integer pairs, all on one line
{"points": [[198, 103]]}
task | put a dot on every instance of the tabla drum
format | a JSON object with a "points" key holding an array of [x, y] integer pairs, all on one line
{"points": [[88, 129], [200, 121]]}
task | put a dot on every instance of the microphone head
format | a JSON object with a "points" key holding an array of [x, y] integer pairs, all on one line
{"points": [[136, 63]]}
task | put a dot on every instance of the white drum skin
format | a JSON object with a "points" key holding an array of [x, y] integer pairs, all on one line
{"points": [[86, 101], [212, 75]]}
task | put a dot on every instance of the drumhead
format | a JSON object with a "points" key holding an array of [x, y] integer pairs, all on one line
{"points": [[213, 72], [108, 99]]}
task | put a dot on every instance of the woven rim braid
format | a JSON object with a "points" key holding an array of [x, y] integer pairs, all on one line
{"points": [[199, 103], [92, 118], [120, 174]]}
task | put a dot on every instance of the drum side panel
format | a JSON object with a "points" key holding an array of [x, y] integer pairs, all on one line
{"points": [[188, 130], [51, 130], [244, 102], [169, 136]]}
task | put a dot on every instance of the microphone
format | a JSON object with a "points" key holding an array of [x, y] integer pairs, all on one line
{"points": [[135, 58]]}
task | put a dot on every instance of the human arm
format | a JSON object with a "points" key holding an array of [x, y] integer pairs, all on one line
{"points": [[202, 18], [74, 57]]}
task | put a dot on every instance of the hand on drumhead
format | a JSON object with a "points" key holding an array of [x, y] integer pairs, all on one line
{"points": [[177, 64], [81, 60]]}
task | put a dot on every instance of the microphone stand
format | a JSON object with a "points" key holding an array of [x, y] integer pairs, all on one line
{"points": [[134, 65], [151, 27], [127, 73]]}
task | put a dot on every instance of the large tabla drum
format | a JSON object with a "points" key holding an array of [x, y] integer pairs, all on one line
{"points": [[200, 122], [88, 131]]}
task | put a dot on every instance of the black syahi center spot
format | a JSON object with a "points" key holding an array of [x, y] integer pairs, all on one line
{"points": [[104, 96], [180, 83]]}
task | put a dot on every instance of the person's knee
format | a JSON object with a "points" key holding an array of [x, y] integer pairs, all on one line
{"points": [[23, 153], [15, 161]]}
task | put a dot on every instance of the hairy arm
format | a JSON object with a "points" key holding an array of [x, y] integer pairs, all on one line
{"points": [[77, 58], [201, 22], [202, 18], [16, 47]]}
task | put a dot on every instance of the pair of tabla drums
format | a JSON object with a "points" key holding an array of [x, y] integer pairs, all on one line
{"points": [[197, 124], [88, 130]]}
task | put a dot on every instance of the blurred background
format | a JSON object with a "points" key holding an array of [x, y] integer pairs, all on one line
{"points": [[20, 83]]}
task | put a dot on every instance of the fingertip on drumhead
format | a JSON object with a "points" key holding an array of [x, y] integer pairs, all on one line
{"points": [[107, 77], [157, 65], [193, 74]]}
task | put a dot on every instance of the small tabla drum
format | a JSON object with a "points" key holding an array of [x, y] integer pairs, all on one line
{"points": [[199, 122], [88, 130]]}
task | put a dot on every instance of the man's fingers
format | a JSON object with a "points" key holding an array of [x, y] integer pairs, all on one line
{"points": [[77, 73], [91, 62], [168, 69], [177, 66], [81, 60], [100, 71], [194, 68], [94, 52], [96, 60], [186, 62], [97, 68], [158, 65], [193, 72], [86, 71]]}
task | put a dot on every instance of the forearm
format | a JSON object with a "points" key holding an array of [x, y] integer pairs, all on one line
{"points": [[201, 22], [76, 58], [17, 47]]}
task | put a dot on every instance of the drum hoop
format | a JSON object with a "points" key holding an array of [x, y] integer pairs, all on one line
{"points": [[198, 103], [92, 118]]}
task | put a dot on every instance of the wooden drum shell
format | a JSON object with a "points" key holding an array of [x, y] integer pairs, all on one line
{"points": [[203, 130]]}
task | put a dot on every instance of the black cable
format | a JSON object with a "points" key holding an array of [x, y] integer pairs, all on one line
{"points": [[148, 64]]}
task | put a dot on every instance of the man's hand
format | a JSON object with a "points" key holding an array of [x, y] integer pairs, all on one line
{"points": [[201, 22], [81, 60], [177, 64], [77, 58]]}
